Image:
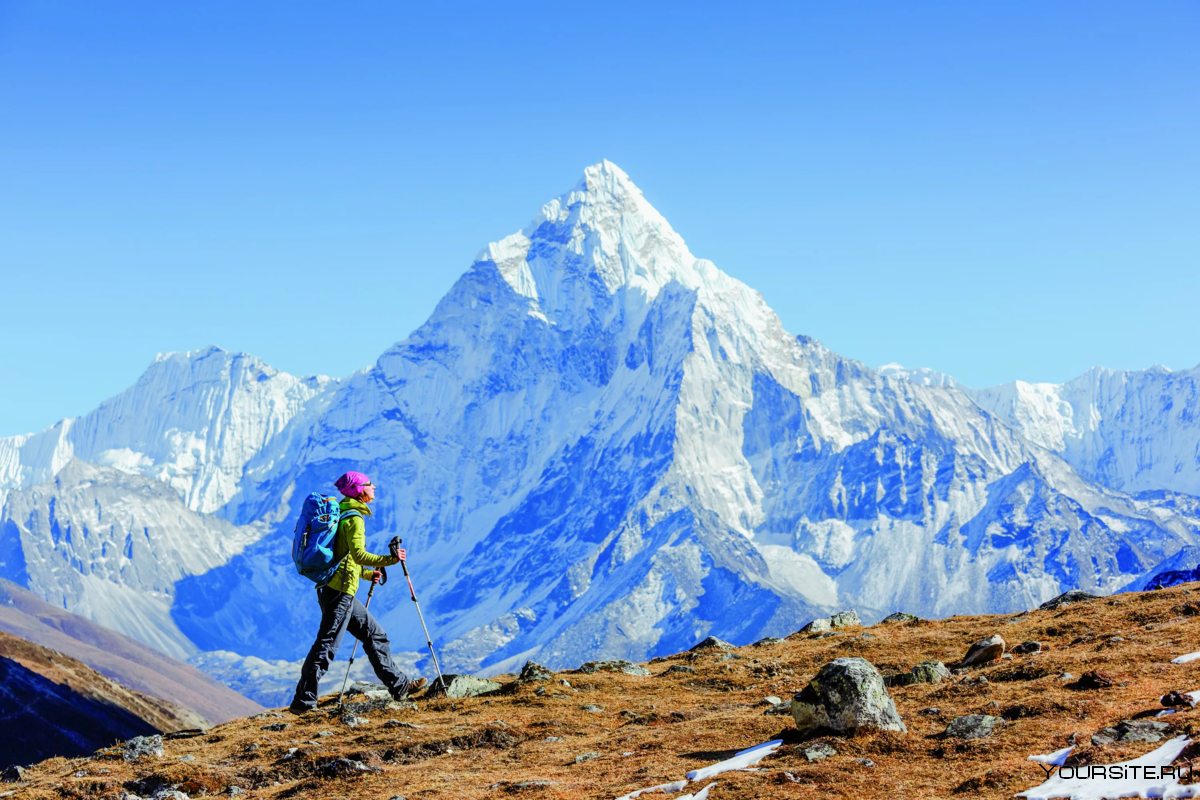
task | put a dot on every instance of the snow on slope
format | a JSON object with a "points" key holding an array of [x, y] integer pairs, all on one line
{"points": [[1132, 431], [193, 421]]}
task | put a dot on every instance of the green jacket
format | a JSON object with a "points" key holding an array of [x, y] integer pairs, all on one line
{"points": [[348, 547]]}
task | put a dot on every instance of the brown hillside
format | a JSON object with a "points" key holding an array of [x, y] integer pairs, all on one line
{"points": [[654, 729], [125, 660]]}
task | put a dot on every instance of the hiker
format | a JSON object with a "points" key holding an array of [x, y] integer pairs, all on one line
{"points": [[340, 609]]}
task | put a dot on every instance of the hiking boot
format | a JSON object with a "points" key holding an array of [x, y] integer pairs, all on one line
{"points": [[412, 688], [298, 710]]}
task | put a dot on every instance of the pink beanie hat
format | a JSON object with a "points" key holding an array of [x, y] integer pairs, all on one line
{"points": [[351, 484]]}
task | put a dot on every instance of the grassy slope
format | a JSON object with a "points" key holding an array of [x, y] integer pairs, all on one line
{"points": [[683, 721]]}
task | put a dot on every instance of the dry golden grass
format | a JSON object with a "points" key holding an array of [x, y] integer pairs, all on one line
{"points": [[655, 729]]}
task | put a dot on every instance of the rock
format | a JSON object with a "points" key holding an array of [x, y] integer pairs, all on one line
{"points": [[553, 738], [1066, 598], [818, 751], [533, 671], [983, 651], [354, 721], [459, 686], [345, 768], [866, 762], [1095, 679], [234, 791], [842, 619], [680, 668], [582, 757], [141, 746], [269, 715], [592, 708], [373, 691], [930, 712], [1007, 657], [730, 657], [1066, 676], [925, 672], [278, 726], [712, 643], [189, 758], [900, 616], [1024, 648], [768, 641], [385, 703], [167, 793], [1141, 730], [847, 694], [978, 680], [620, 665], [779, 709], [1175, 698], [972, 726], [395, 723], [772, 700], [13, 774], [324, 733]]}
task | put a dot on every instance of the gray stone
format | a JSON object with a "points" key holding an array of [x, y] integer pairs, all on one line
{"points": [[925, 672], [324, 733], [768, 641], [983, 651], [278, 726], [189, 758], [351, 720], [553, 738], [385, 703], [1066, 599], [1139, 730], [373, 691], [930, 712], [592, 708], [345, 768], [712, 643], [167, 793], [459, 686], [533, 671], [13, 774], [619, 665], [680, 668], [730, 657], [234, 791], [772, 700], [842, 619], [866, 762], [818, 751], [847, 694], [582, 757], [972, 726], [395, 723], [141, 746], [1066, 676], [901, 616]]}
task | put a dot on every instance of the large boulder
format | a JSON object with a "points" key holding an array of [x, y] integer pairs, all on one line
{"points": [[847, 694], [142, 746], [983, 651], [533, 671], [925, 672], [972, 726], [619, 665], [462, 686], [842, 619], [900, 616], [712, 643], [1067, 598]]}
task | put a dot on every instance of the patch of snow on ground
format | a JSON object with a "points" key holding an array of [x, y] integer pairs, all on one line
{"points": [[743, 759], [700, 795], [677, 786], [1138, 777], [1057, 758], [1186, 658]]}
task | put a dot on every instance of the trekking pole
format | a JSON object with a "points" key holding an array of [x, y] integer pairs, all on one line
{"points": [[354, 651], [394, 546]]}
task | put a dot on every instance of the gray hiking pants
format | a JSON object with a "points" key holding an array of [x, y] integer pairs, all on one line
{"points": [[341, 612]]}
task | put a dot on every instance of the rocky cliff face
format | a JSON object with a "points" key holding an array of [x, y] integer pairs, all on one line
{"points": [[601, 446]]}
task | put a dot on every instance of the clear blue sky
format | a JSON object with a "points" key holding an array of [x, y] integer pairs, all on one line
{"points": [[995, 190]]}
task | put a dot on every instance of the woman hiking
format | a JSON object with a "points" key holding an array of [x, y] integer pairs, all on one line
{"points": [[340, 609]]}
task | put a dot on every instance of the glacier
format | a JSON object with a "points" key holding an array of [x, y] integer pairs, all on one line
{"points": [[597, 446]]}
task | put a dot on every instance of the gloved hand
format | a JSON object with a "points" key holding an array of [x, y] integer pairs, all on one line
{"points": [[394, 548]]}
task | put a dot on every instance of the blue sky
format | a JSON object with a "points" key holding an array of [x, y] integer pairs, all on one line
{"points": [[994, 190]]}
